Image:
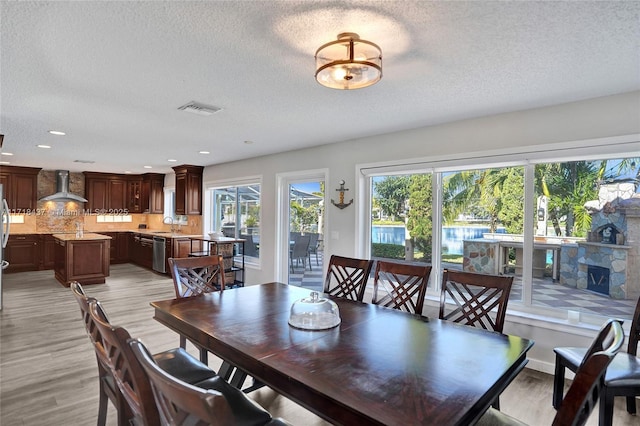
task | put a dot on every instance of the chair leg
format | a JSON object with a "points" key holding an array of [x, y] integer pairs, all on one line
{"points": [[606, 408], [558, 384], [102, 405], [631, 405]]}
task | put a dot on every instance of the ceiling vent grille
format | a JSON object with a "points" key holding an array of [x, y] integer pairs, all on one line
{"points": [[200, 109]]}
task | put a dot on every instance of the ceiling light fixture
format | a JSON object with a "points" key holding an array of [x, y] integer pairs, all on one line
{"points": [[57, 132], [348, 63], [204, 152], [43, 146]]}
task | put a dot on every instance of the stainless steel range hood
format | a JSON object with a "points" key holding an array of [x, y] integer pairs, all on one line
{"points": [[62, 188]]}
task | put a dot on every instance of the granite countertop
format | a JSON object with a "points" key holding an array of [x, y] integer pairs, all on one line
{"points": [[70, 235], [86, 237]]}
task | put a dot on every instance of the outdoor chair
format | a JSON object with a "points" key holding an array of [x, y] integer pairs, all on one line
{"points": [[586, 388], [400, 286], [118, 382], [347, 277], [300, 252], [475, 296], [313, 246], [250, 248], [213, 402], [622, 377]]}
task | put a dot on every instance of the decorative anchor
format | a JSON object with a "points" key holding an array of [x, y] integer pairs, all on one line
{"points": [[341, 204]]}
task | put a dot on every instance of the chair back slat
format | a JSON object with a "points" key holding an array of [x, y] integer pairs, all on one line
{"points": [[475, 298], [193, 276], [347, 277], [584, 393], [400, 286]]}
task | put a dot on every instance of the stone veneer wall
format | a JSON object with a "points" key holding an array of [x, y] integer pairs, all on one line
{"points": [[481, 256], [576, 259]]}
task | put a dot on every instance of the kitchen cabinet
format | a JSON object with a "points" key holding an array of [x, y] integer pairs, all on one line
{"points": [[85, 259], [119, 248], [116, 194], [20, 187], [23, 253], [188, 189], [106, 192], [153, 193], [47, 251], [141, 250]]}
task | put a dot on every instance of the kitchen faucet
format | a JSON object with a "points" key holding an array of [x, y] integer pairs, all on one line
{"points": [[170, 222]]}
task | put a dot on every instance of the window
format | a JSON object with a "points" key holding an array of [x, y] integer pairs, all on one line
{"points": [[560, 228], [236, 213]]}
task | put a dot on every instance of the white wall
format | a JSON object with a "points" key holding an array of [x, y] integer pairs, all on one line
{"points": [[512, 132]]}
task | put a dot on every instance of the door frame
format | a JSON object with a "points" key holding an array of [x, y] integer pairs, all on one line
{"points": [[283, 181]]}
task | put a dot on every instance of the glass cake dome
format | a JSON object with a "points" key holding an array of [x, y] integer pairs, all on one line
{"points": [[314, 313]]}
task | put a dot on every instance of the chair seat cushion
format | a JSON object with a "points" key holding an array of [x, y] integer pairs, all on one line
{"points": [[571, 356], [180, 364], [494, 417], [624, 371], [245, 410]]}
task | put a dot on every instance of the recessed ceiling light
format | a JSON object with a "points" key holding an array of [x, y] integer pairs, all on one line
{"points": [[171, 160], [127, 172], [5, 162], [148, 167], [6, 153], [204, 152], [57, 132], [43, 146], [248, 142]]}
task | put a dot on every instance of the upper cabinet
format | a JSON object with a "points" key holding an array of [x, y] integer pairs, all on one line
{"points": [[153, 193], [20, 187], [116, 193], [188, 189]]}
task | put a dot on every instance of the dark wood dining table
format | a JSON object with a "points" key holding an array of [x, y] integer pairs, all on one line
{"points": [[378, 367]]}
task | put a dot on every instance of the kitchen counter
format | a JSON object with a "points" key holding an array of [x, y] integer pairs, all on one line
{"points": [[86, 237]]}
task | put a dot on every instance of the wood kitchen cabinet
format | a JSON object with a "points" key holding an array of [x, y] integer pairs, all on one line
{"points": [[153, 193], [106, 192], [20, 186], [119, 249], [116, 193], [23, 253], [47, 251], [141, 250], [188, 189], [85, 259]]}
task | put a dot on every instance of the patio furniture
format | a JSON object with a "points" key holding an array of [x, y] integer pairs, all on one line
{"points": [[347, 277], [400, 286], [300, 252], [622, 377]]}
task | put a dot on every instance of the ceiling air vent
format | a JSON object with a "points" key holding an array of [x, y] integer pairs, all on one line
{"points": [[84, 161], [200, 109]]}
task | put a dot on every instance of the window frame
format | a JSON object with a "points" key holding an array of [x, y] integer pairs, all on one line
{"points": [[527, 157]]}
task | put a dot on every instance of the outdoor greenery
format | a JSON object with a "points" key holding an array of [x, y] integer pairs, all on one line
{"points": [[387, 251], [494, 197]]}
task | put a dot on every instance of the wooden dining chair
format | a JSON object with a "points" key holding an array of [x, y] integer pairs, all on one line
{"points": [[474, 298], [622, 377], [108, 391], [586, 388], [136, 399], [347, 277], [214, 402], [400, 286], [193, 276]]}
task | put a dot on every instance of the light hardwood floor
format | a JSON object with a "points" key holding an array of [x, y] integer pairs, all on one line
{"points": [[48, 373]]}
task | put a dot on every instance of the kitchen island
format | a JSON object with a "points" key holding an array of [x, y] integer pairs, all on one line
{"points": [[84, 259]]}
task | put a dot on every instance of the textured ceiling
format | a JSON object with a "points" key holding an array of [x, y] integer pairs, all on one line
{"points": [[112, 74]]}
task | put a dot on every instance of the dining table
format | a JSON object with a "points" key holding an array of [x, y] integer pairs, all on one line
{"points": [[379, 366]]}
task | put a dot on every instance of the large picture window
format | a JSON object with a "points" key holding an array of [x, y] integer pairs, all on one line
{"points": [[567, 231], [236, 213]]}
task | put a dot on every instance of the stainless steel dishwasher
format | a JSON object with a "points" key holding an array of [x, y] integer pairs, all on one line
{"points": [[159, 250]]}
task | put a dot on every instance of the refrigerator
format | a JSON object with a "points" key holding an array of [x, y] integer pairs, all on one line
{"points": [[4, 236]]}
